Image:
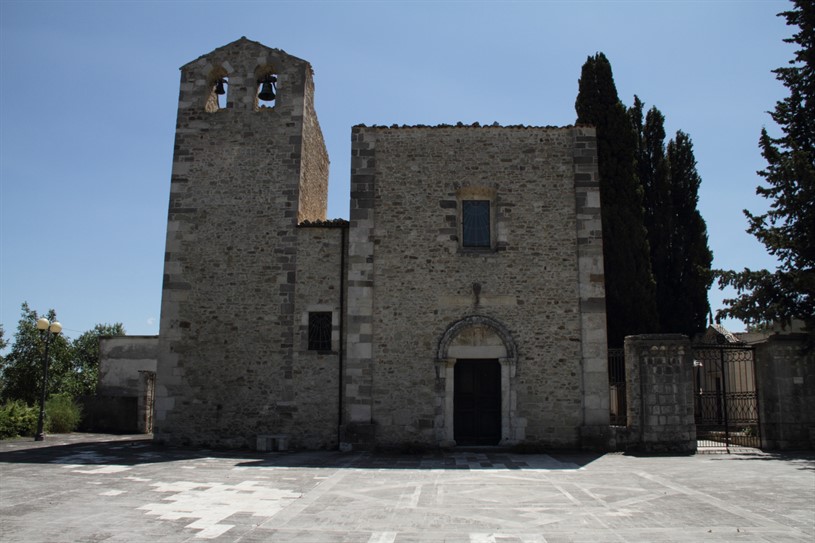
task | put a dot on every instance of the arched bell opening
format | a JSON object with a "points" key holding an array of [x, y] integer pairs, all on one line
{"points": [[266, 90], [475, 367], [218, 85]]}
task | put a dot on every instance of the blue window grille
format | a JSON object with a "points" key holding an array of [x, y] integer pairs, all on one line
{"points": [[475, 223]]}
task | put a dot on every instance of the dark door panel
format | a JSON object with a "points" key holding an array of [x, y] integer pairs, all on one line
{"points": [[477, 402]]}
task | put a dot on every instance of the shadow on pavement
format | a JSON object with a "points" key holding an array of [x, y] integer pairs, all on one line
{"points": [[131, 450], [802, 460]]}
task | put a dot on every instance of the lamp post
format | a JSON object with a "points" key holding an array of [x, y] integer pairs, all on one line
{"points": [[49, 330]]}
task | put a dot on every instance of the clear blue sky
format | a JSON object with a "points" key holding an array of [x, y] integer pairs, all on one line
{"points": [[88, 97]]}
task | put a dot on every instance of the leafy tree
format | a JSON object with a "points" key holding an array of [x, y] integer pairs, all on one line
{"points": [[630, 288], [787, 230], [23, 366], [3, 344], [85, 367], [73, 367]]}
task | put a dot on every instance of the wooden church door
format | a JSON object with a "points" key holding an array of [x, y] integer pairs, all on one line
{"points": [[477, 402]]}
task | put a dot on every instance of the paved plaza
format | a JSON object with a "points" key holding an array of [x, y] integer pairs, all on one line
{"points": [[90, 488]]}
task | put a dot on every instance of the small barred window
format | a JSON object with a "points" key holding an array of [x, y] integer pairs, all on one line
{"points": [[319, 331]]}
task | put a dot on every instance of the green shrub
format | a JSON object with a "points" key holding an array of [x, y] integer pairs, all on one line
{"points": [[63, 414], [17, 419]]}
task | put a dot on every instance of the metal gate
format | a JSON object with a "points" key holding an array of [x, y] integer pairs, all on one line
{"points": [[617, 409], [726, 403]]}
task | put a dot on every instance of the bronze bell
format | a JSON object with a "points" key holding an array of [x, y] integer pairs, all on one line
{"points": [[219, 87], [267, 89]]}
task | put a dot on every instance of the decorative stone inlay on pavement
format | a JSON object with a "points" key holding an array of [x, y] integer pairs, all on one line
{"points": [[60, 493], [211, 503]]}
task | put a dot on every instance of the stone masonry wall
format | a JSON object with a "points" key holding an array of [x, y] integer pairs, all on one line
{"points": [[410, 279], [314, 392], [227, 321], [785, 376], [659, 377], [121, 359], [313, 197]]}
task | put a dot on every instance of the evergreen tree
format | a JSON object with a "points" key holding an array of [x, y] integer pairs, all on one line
{"points": [[787, 230], [635, 115], [677, 234], [689, 257], [658, 214], [630, 290]]}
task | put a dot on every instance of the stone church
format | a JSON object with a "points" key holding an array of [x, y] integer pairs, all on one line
{"points": [[461, 304]]}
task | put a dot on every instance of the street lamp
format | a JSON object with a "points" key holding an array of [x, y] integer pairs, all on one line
{"points": [[49, 330]]}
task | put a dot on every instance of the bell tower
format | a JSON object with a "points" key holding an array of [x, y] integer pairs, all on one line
{"points": [[249, 165]]}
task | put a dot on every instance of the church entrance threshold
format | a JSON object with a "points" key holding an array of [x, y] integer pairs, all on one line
{"points": [[477, 402]]}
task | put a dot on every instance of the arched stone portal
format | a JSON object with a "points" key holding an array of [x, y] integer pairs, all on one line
{"points": [[476, 338]]}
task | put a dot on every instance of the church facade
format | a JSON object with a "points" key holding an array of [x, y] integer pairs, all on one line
{"points": [[461, 304]]}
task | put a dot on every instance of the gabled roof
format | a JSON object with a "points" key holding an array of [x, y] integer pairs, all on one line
{"points": [[718, 335], [240, 42]]}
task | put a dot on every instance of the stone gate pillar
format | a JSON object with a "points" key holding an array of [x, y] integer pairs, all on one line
{"points": [[659, 383], [785, 380]]}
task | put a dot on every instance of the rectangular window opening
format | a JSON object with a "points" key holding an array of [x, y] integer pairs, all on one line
{"points": [[475, 223], [319, 331]]}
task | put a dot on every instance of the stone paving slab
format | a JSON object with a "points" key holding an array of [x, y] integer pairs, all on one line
{"points": [[93, 488]]}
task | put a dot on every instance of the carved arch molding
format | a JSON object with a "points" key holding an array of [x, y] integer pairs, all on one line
{"points": [[477, 321], [474, 337]]}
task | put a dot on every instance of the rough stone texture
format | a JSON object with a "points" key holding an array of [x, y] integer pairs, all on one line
{"points": [[250, 254], [409, 278], [127, 371], [659, 379], [228, 324], [591, 283], [121, 361], [314, 392], [785, 376]]}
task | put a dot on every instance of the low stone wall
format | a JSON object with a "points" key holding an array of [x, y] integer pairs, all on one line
{"points": [[121, 359], [115, 415], [123, 401], [659, 383], [785, 376]]}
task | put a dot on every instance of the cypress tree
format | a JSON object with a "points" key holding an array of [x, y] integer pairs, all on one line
{"points": [[658, 213], [688, 274], [635, 115], [630, 289], [677, 234]]}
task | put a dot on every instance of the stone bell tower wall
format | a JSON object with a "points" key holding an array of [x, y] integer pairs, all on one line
{"points": [[244, 175]]}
